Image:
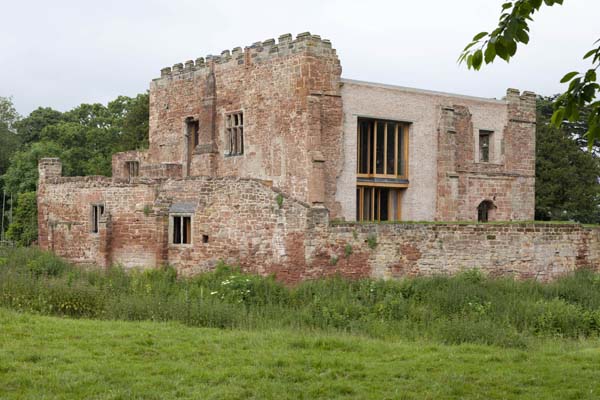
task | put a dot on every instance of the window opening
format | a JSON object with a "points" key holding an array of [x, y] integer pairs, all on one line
{"points": [[234, 133], [97, 212], [484, 145], [132, 168], [182, 229], [484, 211], [382, 148], [378, 203]]}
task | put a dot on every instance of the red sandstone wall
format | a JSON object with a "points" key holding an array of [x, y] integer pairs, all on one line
{"points": [[246, 225], [128, 235], [289, 94], [524, 250]]}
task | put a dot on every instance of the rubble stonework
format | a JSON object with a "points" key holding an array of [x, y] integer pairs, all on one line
{"points": [[274, 205]]}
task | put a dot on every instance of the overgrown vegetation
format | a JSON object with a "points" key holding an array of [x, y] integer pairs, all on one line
{"points": [[468, 308]]}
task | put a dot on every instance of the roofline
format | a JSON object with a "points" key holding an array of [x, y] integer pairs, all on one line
{"points": [[422, 91]]}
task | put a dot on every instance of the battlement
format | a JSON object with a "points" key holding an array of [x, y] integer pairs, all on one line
{"points": [[256, 53]]}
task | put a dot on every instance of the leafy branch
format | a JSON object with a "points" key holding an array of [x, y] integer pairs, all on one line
{"points": [[502, 42]]}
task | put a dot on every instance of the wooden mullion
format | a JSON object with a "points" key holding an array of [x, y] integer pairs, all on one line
{"points": [[405, 148], [360, 202], [385, 146], [396, 161], [358, 163], [374, 147], [369, 135], [372, 204]]}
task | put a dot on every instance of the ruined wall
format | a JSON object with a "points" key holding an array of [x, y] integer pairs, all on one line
{"points": [[289, 94], [508, 180], [246, 222], [127, 234], [521, 250], [424, 110]]}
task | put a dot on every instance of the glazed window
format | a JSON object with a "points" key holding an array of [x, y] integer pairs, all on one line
{"points": [[485, 140], [378, 203], [382, 148], [234, 133], [181, 229], [132, 168], [97, 211]]}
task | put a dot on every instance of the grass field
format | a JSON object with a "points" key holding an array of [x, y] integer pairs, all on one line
{"points": [[48, 357]]}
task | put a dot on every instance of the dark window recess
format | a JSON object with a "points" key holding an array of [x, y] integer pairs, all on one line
{"points": [[97, 212], [234, 133], [484, 145], [193, 128], [182, 229], [204, 238], [132, 168], [484, 210]]}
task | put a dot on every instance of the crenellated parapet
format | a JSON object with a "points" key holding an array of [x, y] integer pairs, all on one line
{"points": [[258, 52]]}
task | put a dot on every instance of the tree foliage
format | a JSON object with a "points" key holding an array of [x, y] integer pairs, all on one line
{"points": [[512, 30], [566, 174], [85, 138], [23, 229]]}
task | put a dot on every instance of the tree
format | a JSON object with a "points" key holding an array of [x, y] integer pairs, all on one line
{"points": [[85, 138], [30, 128], [23, 229], [8, 139], [512, 29], [566, 175]]}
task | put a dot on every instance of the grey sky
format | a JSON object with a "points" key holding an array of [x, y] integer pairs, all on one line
{"points": [[62, 53]]}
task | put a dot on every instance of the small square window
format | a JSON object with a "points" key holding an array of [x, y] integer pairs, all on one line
{"points": [[97, 211], [234, 133], [181, 232]]}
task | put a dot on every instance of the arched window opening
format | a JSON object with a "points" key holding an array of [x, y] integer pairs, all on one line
{"points": [[485, 211]]}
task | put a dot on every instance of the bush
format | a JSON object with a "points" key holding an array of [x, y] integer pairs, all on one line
{"points": [[466, 308]]}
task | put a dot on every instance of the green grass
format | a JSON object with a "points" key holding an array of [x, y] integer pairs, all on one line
{"points": [[52, 358], [467, 308], [230, 335]]}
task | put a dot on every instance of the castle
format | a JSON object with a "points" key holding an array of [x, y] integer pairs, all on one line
{"points": [[263, 157]]}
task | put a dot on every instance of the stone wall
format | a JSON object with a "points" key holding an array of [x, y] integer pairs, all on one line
{"points": [[247, 222], [521, 250], [288, 92]]}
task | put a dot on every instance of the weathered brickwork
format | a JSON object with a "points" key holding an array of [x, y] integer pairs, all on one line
{"points": [[195, 197], [246, 222]]}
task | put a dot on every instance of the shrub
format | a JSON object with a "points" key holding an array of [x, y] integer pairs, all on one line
{"points": [[466, 308]]}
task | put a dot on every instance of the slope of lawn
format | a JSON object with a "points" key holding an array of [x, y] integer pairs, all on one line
{"points": [[49, 357], [72, 333]]}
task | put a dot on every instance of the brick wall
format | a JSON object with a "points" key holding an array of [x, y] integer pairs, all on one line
{"points": [[521, 250], [247, 222], [289, 94]]}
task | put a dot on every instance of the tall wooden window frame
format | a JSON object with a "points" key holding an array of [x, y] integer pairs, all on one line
{"points": [[379, 208], [234, 133], [400, 159]]}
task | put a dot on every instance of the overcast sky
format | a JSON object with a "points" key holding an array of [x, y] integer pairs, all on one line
{"points": [[62, 53]]}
